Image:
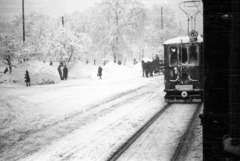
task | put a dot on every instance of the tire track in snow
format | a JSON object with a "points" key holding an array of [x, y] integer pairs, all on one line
{"points": [[99, 137], [70, 121]]}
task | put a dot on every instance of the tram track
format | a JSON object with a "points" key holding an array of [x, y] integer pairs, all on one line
{"points": [[182, 143], [119, 154], [135, 136]]}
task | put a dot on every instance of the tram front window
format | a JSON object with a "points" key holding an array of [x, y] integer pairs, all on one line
{"points": [[173, 56], [193, 55], [183, 55]]}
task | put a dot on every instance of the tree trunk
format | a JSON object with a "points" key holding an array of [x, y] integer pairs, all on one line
{"points": [[70, 55]]}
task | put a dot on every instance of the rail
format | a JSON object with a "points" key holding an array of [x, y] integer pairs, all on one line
{"points": [[134, 137], [186, 135]]}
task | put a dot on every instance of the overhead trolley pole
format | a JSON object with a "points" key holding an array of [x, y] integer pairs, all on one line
{"points": [[190, 17]]}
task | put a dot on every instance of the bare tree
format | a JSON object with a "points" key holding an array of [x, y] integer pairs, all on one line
{"points": [[121, 25]]}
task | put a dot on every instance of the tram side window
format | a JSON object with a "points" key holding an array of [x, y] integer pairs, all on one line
{"points": [[184, 55], [193, 55], [173, 56]]}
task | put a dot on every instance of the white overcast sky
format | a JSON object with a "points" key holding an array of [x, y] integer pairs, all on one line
{"points": [[10, 8]]}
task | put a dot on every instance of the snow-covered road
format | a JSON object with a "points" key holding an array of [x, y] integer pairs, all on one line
{"points": [[76, 119], [79, 119]]}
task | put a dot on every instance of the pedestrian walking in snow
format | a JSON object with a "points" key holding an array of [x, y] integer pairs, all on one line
{"points": [[51, 63], [100, 72], [6, 70], [27, 79], [10, 69], [8, 58], [65, 72], [60, 72]]}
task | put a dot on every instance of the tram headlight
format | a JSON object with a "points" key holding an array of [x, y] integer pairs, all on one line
{"points": [[184, 94]]}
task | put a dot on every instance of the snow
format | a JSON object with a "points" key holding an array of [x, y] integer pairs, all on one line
{"points": [[40, 73], [161, 147], [82, 118], [184, 39], [81, 70]]}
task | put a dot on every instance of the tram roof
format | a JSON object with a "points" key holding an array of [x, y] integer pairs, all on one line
{"points": [[185, 39]]}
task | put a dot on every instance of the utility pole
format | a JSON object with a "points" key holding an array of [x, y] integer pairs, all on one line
{"points": [[162, 23], [62, 21], [23, 21], [161, 18]]}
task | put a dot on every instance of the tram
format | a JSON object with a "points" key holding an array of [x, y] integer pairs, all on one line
{"points": [[183, 72]]}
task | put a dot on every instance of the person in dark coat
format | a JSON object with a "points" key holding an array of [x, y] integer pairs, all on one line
{"points": [[60, 72], [8, 59], [27, 79], [65, 72], [6, 70], [100, 72], [10, 69], [51, 63]]}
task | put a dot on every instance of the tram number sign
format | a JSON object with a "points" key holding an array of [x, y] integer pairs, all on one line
{"points": [[193, 35]]}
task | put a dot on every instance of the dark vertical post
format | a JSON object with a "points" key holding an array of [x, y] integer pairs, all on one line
{"points": [[23, 21], [234, 75], [62, 21]]}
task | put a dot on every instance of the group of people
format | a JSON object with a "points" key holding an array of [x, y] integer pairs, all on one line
{"points": [[22, 60], [63, 72]]}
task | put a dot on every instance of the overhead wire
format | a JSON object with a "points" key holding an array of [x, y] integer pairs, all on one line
{"points": [[197, 7]]}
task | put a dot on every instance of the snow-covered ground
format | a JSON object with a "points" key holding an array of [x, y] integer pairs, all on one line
{"points": [[159, 141], [82, 118]]}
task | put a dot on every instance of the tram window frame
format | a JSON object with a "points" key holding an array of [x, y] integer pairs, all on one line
{"points": [[197, 55], [186, 55], [175, 53]]}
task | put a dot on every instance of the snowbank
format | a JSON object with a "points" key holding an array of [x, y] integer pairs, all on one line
{"points": [[43, 73], [40, 73], [112, 67], [82, 70]]}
